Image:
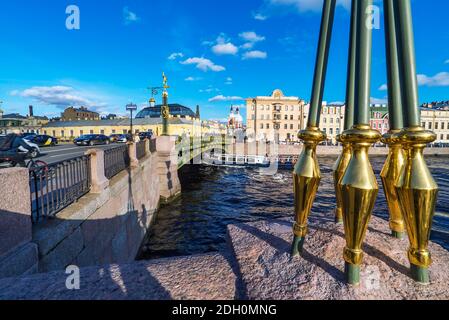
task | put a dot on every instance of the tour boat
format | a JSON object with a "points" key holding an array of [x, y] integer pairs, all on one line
{"points": [[236, 160]]}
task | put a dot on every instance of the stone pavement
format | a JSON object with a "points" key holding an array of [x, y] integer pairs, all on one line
{"points": [[257, 266], [187, 278], [268, 271]]}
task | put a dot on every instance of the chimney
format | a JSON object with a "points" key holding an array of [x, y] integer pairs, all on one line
{"points": [[30, 111]]}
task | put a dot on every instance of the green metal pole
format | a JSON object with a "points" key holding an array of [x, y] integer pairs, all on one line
{"points": [[407, 61], [350, 86], [394, 80], [363, 72], [327, 22]]}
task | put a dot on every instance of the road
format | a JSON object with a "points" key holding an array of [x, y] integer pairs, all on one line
{"points": [[67, 151]]}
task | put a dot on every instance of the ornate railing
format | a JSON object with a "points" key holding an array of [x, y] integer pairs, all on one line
{"points": [[55, 187], [140, 149], [115, 161]]}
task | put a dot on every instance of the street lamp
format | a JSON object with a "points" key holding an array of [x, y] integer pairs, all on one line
{"points": [[131, 107]]}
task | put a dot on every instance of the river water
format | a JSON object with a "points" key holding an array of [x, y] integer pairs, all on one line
{"points": [[213, 197]]}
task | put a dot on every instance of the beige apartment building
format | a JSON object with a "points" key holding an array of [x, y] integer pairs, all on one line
{"points": [[275, 117], [279, 118], [437, 120]]}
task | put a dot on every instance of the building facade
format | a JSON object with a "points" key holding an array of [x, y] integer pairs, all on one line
{"points": [[436, 118], [275, 117], [16, 123], [79, 114]]}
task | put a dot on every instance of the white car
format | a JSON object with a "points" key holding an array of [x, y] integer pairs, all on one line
{"points": [[35, 150]]}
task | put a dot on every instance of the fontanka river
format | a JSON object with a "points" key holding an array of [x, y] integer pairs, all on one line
{"points": [[213, 197]]}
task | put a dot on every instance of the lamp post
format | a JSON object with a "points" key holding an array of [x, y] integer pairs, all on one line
{"points": [[131, 108], [307, 175]]}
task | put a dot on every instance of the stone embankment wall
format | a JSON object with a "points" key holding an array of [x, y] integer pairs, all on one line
{"points": [[105, 226], [253, 148]]}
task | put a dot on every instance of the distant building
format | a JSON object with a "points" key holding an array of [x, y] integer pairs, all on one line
{"points": [[78, 114], [435, 117], [380, 120], [275, 117], [15, 122], [176, 110]]}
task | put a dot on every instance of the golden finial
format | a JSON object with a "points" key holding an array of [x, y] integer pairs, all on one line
{"points": [[165, 81]]}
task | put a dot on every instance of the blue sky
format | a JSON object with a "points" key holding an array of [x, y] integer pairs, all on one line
{"points": [[214, 52]]}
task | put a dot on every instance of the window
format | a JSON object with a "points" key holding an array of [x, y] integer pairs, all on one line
{"points": [[71, 133], [325, 110], [436, 125], [45, 132], [91, 131], [337, 131], [268, 117], [268, 126], [113, 131], [81, 132], [442, 125], [286, 108], [430, 125], [331, 131], [285, 126], [423, 124], [332, 120], [262, 117], [286, 117], [101, 131], [253, 117], [324, 120], [291, 127], [325, 131], [261, 126], [292, 108], [442, 137], [291, 117], [125, 131], [62, 133], [54, 133]]}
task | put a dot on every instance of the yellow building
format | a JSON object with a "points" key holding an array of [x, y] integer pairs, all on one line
{"points": [[68, 130]]}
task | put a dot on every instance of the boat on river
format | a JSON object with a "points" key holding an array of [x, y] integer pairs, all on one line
{"points": [[236, 160]]}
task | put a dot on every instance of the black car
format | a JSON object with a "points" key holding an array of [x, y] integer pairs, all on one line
{"points": [[146, 135], [42, 140], [91, 140]]}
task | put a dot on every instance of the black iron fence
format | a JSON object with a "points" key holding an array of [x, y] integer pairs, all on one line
{"points": [[140, 149], [55, 187], [115, 161]]}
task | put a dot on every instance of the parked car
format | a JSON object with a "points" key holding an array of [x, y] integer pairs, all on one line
{"points": [[114, 137], [122, 138], [91, 140], [10, 154], [42, 140], [146, 135]]}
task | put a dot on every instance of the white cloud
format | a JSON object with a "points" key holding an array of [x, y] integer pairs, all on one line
{"points": [[251, 36], [225, 48], [175, 55], [228, 81], [439, 80], [446, 62], [192, 79], [383, 87], [259, 16], [129, 16], [204, 64], [224, 98], [58, 96], [378, 101], [256, 54]]}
